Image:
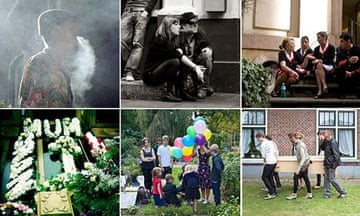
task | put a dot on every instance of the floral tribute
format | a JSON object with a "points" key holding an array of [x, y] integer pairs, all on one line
{"points": [[20, 209], [65, 144], [97, 146], [22, 169]]}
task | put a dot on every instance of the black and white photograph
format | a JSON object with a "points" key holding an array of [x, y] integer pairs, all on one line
{"points": [[180, 53]]}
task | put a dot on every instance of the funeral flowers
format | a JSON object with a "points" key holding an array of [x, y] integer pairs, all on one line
{"points": [[12, 208], [65, 144]]}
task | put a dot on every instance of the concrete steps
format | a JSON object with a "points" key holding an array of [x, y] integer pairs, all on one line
{"points": [[302, 95], [137, 90]]}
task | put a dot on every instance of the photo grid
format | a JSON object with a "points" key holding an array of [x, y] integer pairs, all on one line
{"points": [[300, 107]]}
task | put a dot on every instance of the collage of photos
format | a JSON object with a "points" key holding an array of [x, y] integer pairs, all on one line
{"points": [[120, 107]]}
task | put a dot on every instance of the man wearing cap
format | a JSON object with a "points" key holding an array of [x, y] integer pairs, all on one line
{"points": [[134, 20], [45, 81], [195, 45]]}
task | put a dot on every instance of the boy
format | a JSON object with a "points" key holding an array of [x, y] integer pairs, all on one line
{"points": [[165, 160], [217, 169], [170, 191]]}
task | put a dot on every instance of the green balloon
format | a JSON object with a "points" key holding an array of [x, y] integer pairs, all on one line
{"points": [[191, 131]]}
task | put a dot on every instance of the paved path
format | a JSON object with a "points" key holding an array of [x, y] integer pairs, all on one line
{"points": [[218, 100]]}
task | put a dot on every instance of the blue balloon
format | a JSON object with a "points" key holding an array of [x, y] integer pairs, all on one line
{"points": [[188, 141], [177, 152], [199, 118]]}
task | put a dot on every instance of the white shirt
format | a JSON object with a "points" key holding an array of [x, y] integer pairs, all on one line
{"points": [[269, 152], [164, 153]]}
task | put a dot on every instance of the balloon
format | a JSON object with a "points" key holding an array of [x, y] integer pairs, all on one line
{"points": [[171, 150], [187, 151], [191, 131], [199, 118], [178, 142], [200, 139], [200, 127], [187, 158], [207, 133], [177, 152], [188, 140]]}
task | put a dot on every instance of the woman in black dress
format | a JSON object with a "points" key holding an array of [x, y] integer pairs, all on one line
{"points": [[147, 156], [165, 60]]}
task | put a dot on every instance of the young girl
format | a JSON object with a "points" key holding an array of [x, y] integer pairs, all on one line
{"points": [[165, 60], [191, 184], [157, 188], [303, 159]]}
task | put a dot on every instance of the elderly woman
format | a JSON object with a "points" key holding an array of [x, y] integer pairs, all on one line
{"points": [[288, 62], [147, 157], [303, 160], [165, 60]]}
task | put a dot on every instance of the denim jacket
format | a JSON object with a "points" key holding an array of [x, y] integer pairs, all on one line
{"points": [[217, 168]]}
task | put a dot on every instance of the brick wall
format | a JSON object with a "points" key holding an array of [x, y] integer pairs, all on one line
{"points": [[282, 122]]}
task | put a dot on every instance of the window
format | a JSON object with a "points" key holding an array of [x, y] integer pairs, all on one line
{"points": [[343, 125], [253, 121]]}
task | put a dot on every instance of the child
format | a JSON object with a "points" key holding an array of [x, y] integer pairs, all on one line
{"points": [[191, 184], [157, 188], [217, 168], [170, 191]]}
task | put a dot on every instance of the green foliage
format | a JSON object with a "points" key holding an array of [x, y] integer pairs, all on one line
{"points": [[96, 189], [231, 175], [228, 208], [255, 79]]}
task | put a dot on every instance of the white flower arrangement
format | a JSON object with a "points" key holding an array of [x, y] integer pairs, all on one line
{"points": [[20, 189], [65, 144], [19, 167], [48, 131], [71, 126], [36, 127]]}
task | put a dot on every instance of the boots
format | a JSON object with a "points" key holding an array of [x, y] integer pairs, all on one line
{"points": [[168, 95]]}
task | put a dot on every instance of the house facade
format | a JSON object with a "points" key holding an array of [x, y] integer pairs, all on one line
{"points": [[345, 124], [265, 23]]}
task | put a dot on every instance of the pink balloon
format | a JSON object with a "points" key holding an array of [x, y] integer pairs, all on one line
{"points": [[200, 127], [178, 142]]}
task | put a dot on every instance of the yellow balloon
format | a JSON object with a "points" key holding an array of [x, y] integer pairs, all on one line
{"points": [[187, 151], [171, 151], [207, 133]]}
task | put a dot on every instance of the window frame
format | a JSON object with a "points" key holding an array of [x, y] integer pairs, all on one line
{"points": [[251, 126], [336, 128]]}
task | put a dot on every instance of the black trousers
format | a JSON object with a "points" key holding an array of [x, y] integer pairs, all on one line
{"points": [[146, 170], [268, 177], [277, 179], [302, 174]]}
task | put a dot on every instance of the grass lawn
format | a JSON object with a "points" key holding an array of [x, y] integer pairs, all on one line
{"points": [[254, 203]]}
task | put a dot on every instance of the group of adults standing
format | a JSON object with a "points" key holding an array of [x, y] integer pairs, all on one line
{"points": [[332, 160], [180, 55], [325, 61], [159, 156]]}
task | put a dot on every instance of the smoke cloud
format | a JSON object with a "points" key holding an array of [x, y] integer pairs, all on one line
{"points": [[83, 72]]}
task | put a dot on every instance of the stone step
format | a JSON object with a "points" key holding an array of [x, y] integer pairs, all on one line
{"points": [[139, 91], [350, 101], [309, 90]]}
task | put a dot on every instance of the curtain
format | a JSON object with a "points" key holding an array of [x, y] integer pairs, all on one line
{"points": [[346, 142], [246, 139]]}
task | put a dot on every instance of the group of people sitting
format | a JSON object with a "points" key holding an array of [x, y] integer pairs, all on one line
{"points": [[325, 61], [332, 160], [180, 56]]}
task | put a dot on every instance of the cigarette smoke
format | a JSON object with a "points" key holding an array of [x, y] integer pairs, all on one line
{"points": [[83, 72]]}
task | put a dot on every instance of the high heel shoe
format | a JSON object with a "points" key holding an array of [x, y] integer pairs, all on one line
{"points": [[318, 96]]}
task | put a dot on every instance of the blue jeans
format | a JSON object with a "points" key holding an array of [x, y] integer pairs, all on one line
{"points": [[133, 29], [216, 192]]}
